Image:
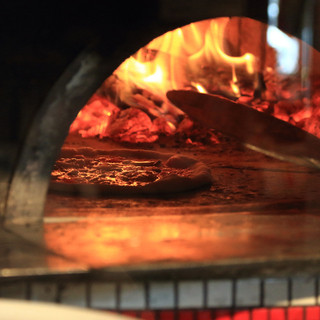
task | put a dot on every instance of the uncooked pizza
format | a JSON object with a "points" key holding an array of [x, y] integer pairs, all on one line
{"points": [[124, 171]]}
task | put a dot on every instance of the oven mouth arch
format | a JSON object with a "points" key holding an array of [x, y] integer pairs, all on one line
{"points": [[28, 188]]}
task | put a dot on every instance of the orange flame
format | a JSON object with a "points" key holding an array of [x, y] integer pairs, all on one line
{"points": [[176, 60], [94, 118], [179, 56]]}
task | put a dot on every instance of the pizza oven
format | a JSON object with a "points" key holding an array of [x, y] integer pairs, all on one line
{"points": [[136, 78]]}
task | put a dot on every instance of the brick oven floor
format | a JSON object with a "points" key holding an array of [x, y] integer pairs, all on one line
{"points": [[260, 216]]}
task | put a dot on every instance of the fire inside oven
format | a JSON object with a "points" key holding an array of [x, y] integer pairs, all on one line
{"points": [[124, 137], [219, 56], [182, 109], [239, 58]]}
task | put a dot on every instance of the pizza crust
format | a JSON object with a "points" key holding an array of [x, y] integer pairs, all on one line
{"points": [[162, 173]]}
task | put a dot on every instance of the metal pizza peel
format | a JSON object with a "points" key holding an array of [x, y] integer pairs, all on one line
{"points": [[257, 130]]}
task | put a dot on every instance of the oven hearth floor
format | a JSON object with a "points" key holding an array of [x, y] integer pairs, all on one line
{"points": [[260, 217]]}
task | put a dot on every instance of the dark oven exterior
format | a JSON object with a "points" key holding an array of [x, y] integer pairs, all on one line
{"points": [[56, 56]]}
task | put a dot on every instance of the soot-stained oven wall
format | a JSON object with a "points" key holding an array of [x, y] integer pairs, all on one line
{"points": [[39, 41]]}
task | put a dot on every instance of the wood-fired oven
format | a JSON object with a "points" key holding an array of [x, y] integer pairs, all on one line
{"points": [[253, 228]]}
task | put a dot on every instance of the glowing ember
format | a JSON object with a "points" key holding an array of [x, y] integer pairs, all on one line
{"points": [[211, 56], [95, 117]]}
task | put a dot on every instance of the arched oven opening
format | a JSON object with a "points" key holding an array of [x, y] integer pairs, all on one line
{"points": [[168, 131], [238, 58], [154, 105]]}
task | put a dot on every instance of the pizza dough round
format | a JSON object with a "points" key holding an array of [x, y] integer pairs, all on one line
{"points": [[91, 172]]}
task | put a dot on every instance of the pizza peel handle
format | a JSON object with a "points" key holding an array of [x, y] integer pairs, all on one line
{"points": [[257, 130]]}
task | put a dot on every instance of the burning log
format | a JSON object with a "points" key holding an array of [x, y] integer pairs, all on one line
{"points": [[132, 125]]}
